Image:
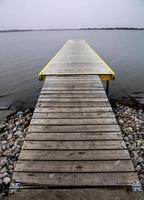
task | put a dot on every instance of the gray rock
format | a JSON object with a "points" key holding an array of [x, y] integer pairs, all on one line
{"points": [[11, 126], [126, 139], [130, 129], [121, 121], [135, 162], [1, 181], [2, 126], [18, 133], [14, 129], [19, 113], [6, 180], [135, 154], [142, 181], [134, 146], [138, 168], [28, 118], [142, 147], [130, 148], [7, 153], [130, 137], [140, 160], [17, 123], [9, 136], [2, 175], [139, 143], [3, 162]]}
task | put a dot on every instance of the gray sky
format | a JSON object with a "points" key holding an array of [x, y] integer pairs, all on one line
{"points": [[26, 14]]}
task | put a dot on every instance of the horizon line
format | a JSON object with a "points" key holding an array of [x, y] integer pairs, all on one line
{"points": [[87, 28]]}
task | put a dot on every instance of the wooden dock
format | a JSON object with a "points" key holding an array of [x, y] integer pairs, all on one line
{"points": [[74, 140]]}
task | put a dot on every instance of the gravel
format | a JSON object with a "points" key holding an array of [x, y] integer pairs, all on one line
{"points": [[131, 121], [11, 139]]}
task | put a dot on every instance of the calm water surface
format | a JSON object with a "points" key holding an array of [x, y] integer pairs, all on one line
{"points": [[23, 55]]}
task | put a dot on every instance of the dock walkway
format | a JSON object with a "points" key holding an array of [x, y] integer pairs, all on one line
{"points": [[74, 139]]}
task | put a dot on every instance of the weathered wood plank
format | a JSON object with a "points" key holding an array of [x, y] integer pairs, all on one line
{"points": [[74, 136], [73, 85], [83, 121], [76, 179], [74, 166], [74, 128], [73, 109], [77, 194], [73, 91], [74, 155], [71, 100], [61, 115], [70, 81], [72, 104], [80, 78], [77, 145], [75, 95]]}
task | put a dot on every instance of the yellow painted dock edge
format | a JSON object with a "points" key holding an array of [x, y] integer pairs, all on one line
{"points": [[41, 76], [103, 77]]}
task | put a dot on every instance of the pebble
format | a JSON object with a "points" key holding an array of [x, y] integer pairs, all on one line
{"points": [[130, 137], [9, 136], [138, 168], [3, 162], [141, 160], [19, 113], [6, 180]]}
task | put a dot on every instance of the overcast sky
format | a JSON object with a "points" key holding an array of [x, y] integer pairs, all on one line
{"points": [[27, 14]]}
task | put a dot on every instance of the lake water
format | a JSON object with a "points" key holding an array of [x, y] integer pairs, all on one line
{"points": [[23, 55]]}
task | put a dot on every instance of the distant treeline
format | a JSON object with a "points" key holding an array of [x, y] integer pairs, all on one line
{"points": [[116, 28]]}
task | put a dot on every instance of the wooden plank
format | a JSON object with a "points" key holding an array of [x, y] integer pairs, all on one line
{"points": [[75, 95], [83, 121], [72, 104], [76, 179], [72, 91], [73, 85], [76, 194], [73, 78], [74, 128], [72, 100], [74, 166], [61, 115], [73, 109], [77, 145], [75, 82], [74, 136], [74, 155]]}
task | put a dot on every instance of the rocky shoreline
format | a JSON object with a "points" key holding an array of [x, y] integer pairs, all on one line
{"points": [[11, 139], [129, 116]]}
